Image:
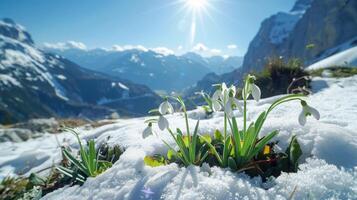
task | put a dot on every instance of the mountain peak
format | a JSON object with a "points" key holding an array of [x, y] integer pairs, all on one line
{"points": [[9, 28], [301, 5]]}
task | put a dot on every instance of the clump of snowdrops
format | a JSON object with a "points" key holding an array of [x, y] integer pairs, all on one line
{"points": [[91, 161], [239, 149]]}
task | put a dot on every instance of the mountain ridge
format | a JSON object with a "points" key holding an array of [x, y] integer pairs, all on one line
{"points": [[149, 67], [36, 84]]}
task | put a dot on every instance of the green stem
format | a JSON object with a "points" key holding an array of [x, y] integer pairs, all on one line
{"points": [[225, 125], [187, 127], [244, 111]]}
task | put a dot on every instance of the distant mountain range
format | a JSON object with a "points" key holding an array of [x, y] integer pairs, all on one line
{"points": [[312, 31], [149, 67], [35, 84]]}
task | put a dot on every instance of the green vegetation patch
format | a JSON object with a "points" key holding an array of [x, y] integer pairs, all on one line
{"points": [[335, 72]]}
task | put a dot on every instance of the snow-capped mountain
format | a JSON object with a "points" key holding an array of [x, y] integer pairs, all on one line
{"points": [[216, 64], [320, 25], [38, 84], [149, 67]]}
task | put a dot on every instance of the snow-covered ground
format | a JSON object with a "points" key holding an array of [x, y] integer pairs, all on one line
{"points": [[346, 58], [328, 169]]}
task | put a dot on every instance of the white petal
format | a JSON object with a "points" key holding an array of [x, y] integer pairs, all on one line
{"points": [[314, 113], [170, 108], [228, 108], [238, 104], [225, 96], [216, 106], [256, 93], [162, 108], [163, 123], [147, 131], [217, 94], [302, 118], [224, 87]]}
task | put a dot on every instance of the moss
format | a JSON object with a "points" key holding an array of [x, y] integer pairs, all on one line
{"points": [[277, 76], [13, 188]]}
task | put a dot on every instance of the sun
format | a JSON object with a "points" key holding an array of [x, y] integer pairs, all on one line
{"points": [[196, 4], [196, 10]]}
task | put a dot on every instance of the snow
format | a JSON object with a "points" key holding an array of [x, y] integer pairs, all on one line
{"points": [[28, 59], [123, 86], [328, 168], [6, 79], [135, 58], [163, 51], [14, 57], [283, 25], [61, 77], [284, 22], [346, 58]]}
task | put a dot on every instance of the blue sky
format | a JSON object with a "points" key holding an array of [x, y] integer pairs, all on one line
{"points": [[150, 23]]}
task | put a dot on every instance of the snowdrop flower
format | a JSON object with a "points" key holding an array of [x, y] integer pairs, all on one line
{"points": [[307, 111], [231, 91], [163, 123], [147, 131], [217, 94], [232, 103], [166, 108], [216, 106], [256, 93], [253, 89]]}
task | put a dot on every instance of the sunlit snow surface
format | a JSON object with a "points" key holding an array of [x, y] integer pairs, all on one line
{"points": [[344, 58], [328, 169]]}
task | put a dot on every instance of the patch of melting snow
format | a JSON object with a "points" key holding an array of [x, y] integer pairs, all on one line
{"points": [[328, 169]]}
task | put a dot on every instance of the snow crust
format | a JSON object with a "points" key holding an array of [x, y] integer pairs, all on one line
{"points": [[328, 169]]}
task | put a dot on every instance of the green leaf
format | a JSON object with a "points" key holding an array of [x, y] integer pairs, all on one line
{"points": [[226, 151], [171, 154], [154, 161], [92, 156], [213, 149], [75, 162], [218, 135], [232, 164], [207, 138], [193, 144], [36, 180], [259, 122], [236, 138], [249, 140], [262, 143], [294, 153], [103, 165]]}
